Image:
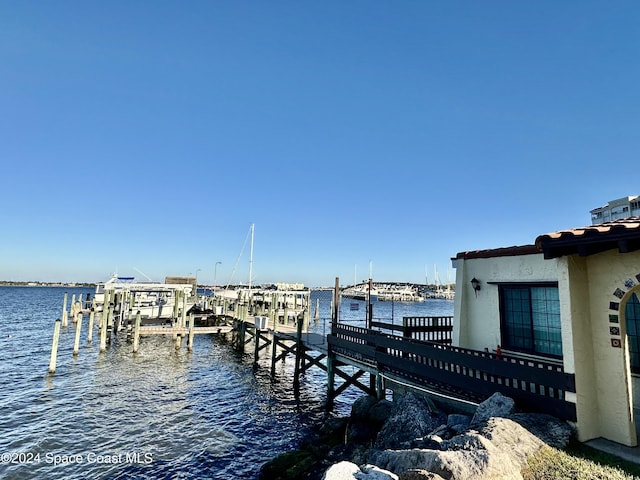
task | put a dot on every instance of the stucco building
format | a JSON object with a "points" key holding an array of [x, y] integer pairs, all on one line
{"points": [[571, 297]]}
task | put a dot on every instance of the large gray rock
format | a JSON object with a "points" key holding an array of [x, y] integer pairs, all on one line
{"points": [[419, 474], [341, 471], [467, 441], [494, 445], [351, 471], [412, 417], [368, 408], [368, 415], [497, 405], [498, 450], [373, 472], [361, 407], [380, 412], [452, 465], [551, 430], [458, 423], [509, 437]]}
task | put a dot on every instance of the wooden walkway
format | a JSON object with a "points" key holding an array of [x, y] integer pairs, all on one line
{"points": [[168, 330], [535, 384], [416, 354], [457, 374]]}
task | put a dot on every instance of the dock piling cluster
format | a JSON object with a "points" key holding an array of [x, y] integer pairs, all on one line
{"points": [[273, 320]]}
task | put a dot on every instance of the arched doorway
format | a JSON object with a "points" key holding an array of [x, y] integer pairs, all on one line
{"points": [[632, 323], [631, 317]]}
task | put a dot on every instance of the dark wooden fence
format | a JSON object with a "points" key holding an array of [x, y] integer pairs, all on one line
{"points": [[535, 385], [429, 329]]}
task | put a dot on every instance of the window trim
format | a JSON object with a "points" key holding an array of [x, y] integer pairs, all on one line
{"points": [[501, 309]]}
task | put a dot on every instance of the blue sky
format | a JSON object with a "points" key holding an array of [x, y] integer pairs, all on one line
{"points": [[149, 135]]}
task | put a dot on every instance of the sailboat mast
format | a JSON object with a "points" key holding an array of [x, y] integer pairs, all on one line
{"points": [[251, 259]]}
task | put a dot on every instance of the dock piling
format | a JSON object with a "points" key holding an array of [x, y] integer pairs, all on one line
{"points": [[92, 315], [64, 310], [274, 352], [76, 343], [192, 324], [256, 345], [103, 329], [299, 352], [54, 346], [136, 333], [72, 308]]}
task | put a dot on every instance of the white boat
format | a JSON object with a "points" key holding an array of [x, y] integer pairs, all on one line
{"points": [[361, 292], [152, 300], [399, 293]]}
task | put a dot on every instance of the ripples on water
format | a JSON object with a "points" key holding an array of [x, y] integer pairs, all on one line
{"points": [[160, 413]]}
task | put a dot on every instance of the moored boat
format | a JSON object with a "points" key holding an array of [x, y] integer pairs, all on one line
{"points": [[151, 299]]}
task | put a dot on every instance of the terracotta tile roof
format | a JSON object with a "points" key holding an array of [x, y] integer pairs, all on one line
{"points": [[623, 234], [499, 252]]}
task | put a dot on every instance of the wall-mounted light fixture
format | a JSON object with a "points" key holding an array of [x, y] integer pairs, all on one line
{"points": [[475, 283]]}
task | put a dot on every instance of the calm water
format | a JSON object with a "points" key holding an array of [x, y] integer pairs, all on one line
{"points": [[160, 413]]}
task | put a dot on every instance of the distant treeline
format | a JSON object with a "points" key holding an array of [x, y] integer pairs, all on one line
{"points": [[11, 283]]}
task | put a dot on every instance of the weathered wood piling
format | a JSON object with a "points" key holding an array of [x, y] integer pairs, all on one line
{"points": [[76, 343], [54, 345]]}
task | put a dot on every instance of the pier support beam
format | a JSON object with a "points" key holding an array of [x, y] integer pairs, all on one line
{"points": [[274, 352], [256, 345], [331, 380], [380, 394], [242, 331], [299, 353]]}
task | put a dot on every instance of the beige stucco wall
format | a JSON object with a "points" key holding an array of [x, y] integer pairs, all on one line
{"points": [[606, 272], [577, 342], [604, 398], [477, 318]]}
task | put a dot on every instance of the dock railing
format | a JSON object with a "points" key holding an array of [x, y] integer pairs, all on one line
{"points": [[535, 384], [430, 329]]}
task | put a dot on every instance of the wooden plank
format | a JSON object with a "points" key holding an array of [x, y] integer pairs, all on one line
{"points": [[488, 363], [350, 380], [425, 373], [183, 330], [388, 326], [314, 361], [364, 350]]}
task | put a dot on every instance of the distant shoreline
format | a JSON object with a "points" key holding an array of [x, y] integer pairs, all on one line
{"points": [[4, 283]]}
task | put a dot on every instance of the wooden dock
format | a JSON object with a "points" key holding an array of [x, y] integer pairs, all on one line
{"points": [[155, 330], [418, 355]]}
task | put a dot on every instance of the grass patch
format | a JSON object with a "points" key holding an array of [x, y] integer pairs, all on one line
{"points": [[578, 462]]}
